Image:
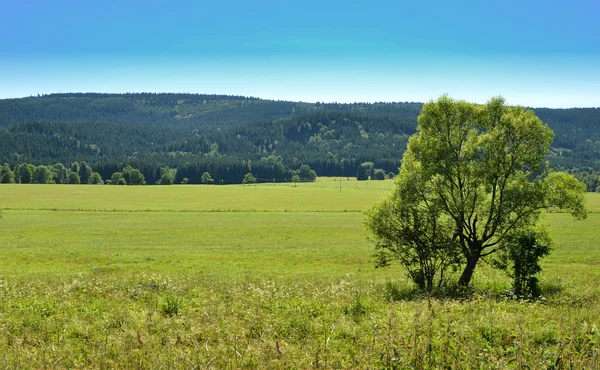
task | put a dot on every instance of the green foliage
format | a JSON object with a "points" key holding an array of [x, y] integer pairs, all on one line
{"points": [[96, 179], [469, 178], [304, 172], [362, 173], [249, 178], [274, 300], [182, 131], [329, 138], [74, 178], [410, 229], [519, 255], [379, 174], [75, 167], [61, 173], [43, 175], [295, 179], [185, 180], [122, 181], [133, 176], [171, 305], [165, 180], [591, 180], [85, 172], [24, 173], [7, 176], [116, 177], [206, 178], [167, 176]]}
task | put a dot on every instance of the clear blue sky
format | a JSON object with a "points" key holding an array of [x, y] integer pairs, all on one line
{"points": [[535, 53]]}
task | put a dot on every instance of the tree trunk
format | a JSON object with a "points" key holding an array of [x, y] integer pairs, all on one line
{"points": [[467, 273]]}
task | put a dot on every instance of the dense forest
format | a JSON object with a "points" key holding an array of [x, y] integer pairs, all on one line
{"points": [[230, 136]]}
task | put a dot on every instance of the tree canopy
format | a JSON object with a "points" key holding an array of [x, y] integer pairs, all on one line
{"points": [[229, 136], [471, 177]]}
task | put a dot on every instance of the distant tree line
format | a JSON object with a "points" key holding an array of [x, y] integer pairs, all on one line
{"points": [[26, 173], [82, 173], [230, 136]]}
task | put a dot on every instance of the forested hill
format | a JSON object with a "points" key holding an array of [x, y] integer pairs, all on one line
{"points": [[144, 108], [167, 109], [229, 136]]}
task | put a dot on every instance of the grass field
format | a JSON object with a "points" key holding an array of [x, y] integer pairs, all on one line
{"points": [[267, 276]]}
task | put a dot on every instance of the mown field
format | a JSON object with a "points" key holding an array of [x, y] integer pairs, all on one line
{"points": [[267, 276]]}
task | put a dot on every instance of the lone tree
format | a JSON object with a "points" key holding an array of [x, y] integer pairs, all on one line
{"points": [[295, 180], [249, 178], [471, 178], [206, 178]]}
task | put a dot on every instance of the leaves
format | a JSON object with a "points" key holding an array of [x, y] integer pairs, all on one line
{"points": [[472, 175]]}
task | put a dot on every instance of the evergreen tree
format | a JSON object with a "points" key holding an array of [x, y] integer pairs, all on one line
{"points": [[85, 172]]}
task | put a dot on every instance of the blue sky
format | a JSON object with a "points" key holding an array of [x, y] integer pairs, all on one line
{"points": [[535, 53]]}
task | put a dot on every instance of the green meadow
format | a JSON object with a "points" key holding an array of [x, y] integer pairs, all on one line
{"points": [[265, 276]]}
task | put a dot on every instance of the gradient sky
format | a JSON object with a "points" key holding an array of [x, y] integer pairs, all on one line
{"points": [[534, 53]]}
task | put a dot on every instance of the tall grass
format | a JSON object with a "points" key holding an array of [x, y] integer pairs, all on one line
{"points": [[268, 289]]}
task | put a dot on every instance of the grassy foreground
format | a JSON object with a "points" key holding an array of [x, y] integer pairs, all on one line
{"points": [[242, 276]]}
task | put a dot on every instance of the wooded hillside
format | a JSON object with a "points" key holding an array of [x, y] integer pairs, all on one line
{"points": [[229, 136]]}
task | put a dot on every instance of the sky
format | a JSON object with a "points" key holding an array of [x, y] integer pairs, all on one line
{"points": [[533, 53]]}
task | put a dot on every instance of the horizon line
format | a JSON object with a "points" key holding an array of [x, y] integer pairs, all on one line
{"points": [[249, 97]]}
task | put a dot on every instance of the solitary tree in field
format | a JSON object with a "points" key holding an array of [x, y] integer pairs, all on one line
{"points": [[249, 178], [206, 178], [295, 180], [472, 180]]}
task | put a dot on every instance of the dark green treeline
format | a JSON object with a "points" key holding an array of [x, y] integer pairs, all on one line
{"points": [[230, 136]]}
